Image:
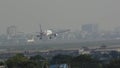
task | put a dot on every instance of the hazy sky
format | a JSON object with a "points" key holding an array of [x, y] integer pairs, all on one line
{"points": [[27, 14]]}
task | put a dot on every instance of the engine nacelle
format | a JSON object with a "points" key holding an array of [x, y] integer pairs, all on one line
{"points": [[55, 35]]}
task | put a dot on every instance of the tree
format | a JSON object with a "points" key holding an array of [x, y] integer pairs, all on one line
{"points": [[2, 63], [20, 61], [41, 61], [60, 59], [114, 63], [16, 61], [85, 61], [37, 58]]}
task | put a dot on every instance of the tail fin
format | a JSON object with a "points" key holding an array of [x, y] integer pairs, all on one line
{"points": [[40, 28], [41, 32]]}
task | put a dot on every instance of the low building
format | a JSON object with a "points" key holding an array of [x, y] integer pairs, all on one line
{"points": [[59, 66]]}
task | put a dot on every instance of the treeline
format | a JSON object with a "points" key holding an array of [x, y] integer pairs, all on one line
{"points": [[81, 61]]}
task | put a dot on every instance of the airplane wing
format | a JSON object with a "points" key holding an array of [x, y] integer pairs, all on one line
{"points": [[58, 32], [61, 31]]}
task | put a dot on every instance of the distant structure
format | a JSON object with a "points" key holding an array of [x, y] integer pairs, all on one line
{"points": [[11, 31], [90, 28]]}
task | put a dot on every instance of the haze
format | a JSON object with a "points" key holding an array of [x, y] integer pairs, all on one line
{"points": [[71, 14]]}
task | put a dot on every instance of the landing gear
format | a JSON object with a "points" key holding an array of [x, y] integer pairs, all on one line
{"points": [[50, 37]]}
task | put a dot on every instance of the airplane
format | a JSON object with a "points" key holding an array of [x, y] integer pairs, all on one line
{"points": [[49, 33]]}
